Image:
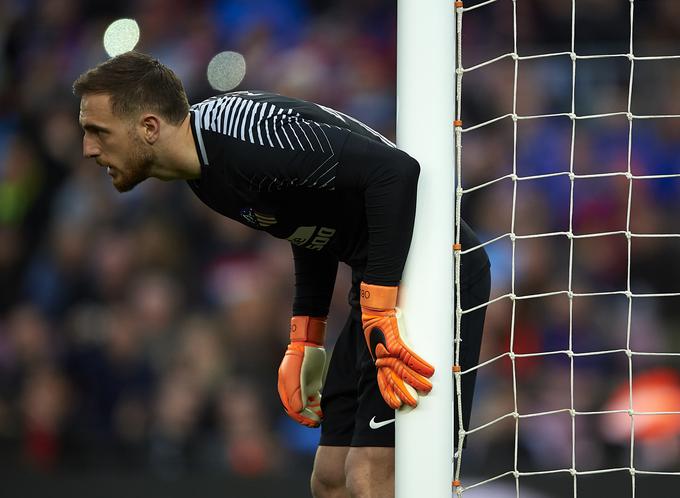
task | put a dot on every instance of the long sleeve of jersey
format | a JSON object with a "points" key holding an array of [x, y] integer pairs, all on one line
{"points": [[387, 178], [314, 281]]}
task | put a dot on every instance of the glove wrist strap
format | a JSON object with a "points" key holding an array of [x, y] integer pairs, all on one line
{"points": [[378, 297], [308, 329]]}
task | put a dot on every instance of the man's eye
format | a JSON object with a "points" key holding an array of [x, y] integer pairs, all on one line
{"points": [[95, 132]]}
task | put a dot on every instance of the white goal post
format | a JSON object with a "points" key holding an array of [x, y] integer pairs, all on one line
{"points": [[425, 114]]}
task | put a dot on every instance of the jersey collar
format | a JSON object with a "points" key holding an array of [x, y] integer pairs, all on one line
{"points": [[198, 136]]}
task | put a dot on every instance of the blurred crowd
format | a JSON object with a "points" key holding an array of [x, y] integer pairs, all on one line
{"points": [[144, 331]]}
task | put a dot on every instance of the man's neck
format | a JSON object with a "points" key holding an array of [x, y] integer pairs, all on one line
{"points": [[178, 158]]}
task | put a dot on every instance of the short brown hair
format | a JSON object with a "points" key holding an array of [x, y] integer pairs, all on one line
{"points": [[136, 83]]}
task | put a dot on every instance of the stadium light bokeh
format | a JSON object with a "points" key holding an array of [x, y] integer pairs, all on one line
{"points": [[226, 71], [121, 36]]}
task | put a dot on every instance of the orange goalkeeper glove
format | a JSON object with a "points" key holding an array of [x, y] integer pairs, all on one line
{"points": [[401, 372], [302, 370]]}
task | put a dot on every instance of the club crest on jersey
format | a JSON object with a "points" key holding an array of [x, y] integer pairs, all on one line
{"points": [[258, 219]]}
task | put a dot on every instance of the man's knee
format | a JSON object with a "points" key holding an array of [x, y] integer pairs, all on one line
{"points": [[328, 484], [328, 476], [370, 472]]}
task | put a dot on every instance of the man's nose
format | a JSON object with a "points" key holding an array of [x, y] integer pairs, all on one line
{"points": [[90, 148]]}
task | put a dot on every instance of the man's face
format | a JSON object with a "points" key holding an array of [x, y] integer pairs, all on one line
{"points": [[114, 142]]}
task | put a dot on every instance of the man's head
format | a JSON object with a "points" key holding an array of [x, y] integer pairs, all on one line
{"points": [[124, 103]]}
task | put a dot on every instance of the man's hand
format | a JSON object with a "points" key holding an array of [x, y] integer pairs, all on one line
{"points": [[401, 372], [301, 373]]}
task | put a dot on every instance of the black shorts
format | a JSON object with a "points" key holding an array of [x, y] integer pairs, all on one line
{"points": [[355, 413]]}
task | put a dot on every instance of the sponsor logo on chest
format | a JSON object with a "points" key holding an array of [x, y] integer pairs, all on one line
{"points": [[312, 237]]}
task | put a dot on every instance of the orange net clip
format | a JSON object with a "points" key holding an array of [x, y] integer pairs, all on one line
{"points": [[456, 369], [458, 123], [457, 247], [459, 5], [456, 484]]}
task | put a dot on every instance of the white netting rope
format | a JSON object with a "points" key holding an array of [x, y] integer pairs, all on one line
{"points": [[458, 485]]}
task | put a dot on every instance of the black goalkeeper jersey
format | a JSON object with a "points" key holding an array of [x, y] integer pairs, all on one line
{"points": [[333, 187]]}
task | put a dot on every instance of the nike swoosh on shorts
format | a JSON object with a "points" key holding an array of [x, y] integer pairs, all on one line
{"points": [[377, 425]]}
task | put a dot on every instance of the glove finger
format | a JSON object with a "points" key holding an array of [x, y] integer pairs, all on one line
{"points": [[309, 419], [381, 352], [395, 345], [386, 390], [415, 380], [291, 403], [415, 362], [311, 415], [401, 390], [312, 410], [288, 384], [313, 405]]}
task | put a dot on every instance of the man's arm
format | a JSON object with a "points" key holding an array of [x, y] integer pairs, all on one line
{"points": [[315, 273], [388, 178], [301, 373]]}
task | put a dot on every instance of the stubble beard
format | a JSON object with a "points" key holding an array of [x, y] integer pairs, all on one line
{"points": [[137, 167]]}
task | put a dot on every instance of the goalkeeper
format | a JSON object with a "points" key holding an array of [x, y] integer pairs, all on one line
{"points": [[339, 192]]}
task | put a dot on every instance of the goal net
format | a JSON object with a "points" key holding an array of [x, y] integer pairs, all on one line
{"points": [[567, 145]]}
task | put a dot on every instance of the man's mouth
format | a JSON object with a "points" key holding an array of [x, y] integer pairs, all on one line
{"points": [[110, 170], [104, 165]]}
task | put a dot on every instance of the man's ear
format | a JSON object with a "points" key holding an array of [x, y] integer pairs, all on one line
{"points": [[150, 127]]}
